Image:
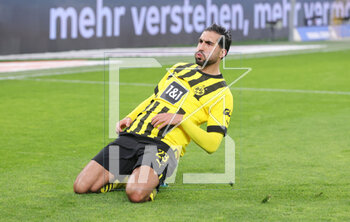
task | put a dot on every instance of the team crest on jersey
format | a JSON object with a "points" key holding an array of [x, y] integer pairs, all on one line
{"points": [[199, 90]]}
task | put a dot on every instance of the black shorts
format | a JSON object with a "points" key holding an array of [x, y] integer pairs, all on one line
{"points": [[130, 151]]}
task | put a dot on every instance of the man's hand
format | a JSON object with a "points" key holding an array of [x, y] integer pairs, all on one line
{"points": [[164, 119], [122, 124]]}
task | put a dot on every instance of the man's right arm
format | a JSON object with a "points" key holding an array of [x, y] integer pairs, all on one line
{"points": [[145, 103], [126, 122], [140, 107], [132, 116]]}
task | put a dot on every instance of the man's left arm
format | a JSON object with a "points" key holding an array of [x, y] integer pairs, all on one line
{"points": [[209, 141], [218, 121]]}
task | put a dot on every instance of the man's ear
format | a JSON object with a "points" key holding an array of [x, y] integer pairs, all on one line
{"points": [[223, 53]]}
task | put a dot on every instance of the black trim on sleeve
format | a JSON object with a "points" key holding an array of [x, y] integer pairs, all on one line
{"points": [[156, 90], [218, 129]]}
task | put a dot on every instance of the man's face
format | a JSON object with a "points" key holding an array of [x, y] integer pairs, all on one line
{"points": [[206, 45]]}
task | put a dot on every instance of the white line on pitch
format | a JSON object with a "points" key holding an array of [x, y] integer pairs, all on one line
{"points": [[89, 82], [16, 77], [293, 91], [233, 88]]}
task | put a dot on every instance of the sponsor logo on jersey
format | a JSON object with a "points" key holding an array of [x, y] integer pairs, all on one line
{"points": [[174, 92], [227, 112]]}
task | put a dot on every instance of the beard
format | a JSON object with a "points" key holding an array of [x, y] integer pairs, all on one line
{"points": [[201, 60]]}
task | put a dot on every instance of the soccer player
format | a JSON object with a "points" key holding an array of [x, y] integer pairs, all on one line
{"points": [[155, 134]]}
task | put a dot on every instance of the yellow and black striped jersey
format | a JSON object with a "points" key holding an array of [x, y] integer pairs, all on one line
{"points": [[185, 89]]}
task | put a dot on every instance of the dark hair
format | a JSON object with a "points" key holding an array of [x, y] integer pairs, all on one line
{"points": [[221, 31]]}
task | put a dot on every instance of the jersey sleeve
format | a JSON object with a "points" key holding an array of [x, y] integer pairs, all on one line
{"points": [[133, 114], [210, 142], [170, 72], [220, 113]]}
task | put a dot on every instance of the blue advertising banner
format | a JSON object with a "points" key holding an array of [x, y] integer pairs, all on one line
{"points": [[314, 33], [342, 31]]}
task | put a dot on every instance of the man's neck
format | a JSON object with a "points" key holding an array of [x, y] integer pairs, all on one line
{"points": [[213, 69]]}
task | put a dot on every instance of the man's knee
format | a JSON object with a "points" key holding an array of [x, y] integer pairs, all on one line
{"points": [[91, 178], [80, 187], [137, 195]]}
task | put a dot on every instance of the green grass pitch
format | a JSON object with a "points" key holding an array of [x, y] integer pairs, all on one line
{"points": [[293, 146]]}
